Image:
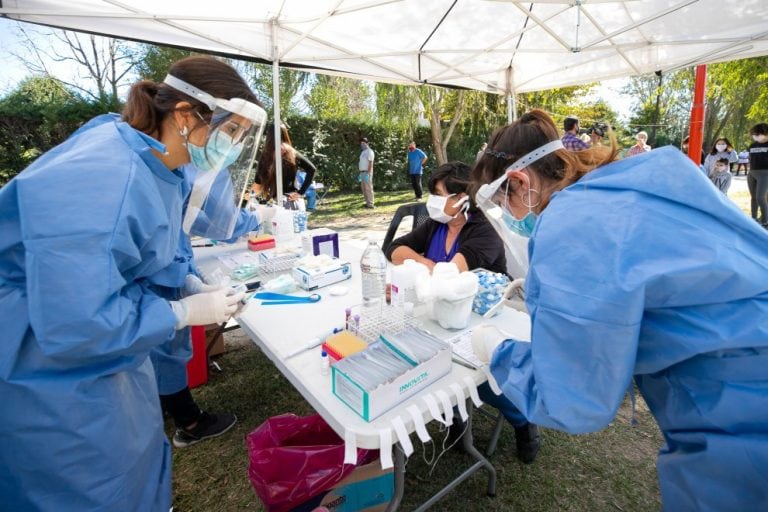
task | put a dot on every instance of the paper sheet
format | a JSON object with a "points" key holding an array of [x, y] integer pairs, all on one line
{"points": [[462, 347]]}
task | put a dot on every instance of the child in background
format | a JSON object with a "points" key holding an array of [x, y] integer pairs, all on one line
{"points": [[743, 162], [721, 176]]}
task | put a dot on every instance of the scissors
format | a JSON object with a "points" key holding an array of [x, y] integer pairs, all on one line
{"points": [[272, 299]]}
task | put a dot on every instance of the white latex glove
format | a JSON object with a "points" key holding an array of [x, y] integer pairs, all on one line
{"points": [[514, 295], [194, 285], [485, 339], [206, 308]]}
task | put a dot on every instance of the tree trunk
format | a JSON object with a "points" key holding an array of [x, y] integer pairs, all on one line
{"points": [[656, 112]]}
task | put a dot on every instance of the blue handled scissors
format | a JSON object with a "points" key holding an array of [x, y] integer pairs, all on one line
{"points": [[272, 299]]}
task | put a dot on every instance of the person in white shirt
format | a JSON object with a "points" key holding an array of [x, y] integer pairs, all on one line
{"points": [[366, 172]]}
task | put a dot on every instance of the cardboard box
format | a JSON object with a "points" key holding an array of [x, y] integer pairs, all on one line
{"points": [[218, 346], [367, 489], [369, 405], [321, 241], [311, 278]]}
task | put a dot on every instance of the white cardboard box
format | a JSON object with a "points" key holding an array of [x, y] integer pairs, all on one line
{"points": [[321, 241], [369, 405], [311, 278]]}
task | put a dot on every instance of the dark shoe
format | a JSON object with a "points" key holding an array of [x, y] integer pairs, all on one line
{"points": [[528, 441], [209, 425], [370, 207]]}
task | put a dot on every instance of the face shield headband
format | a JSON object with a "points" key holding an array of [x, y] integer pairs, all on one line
{"points": [[491, 198], [230, 149]]}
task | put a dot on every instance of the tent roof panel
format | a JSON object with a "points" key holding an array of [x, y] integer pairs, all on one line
{"points": [[468, 43]]}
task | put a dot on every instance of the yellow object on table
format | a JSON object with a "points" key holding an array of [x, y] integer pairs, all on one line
{"points": [[343, 344]]}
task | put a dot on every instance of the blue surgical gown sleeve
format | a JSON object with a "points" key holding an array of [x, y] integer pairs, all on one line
{"points": [[585, 328]]}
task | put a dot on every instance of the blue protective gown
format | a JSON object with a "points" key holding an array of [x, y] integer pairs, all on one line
{"points": [[643, 268], [170, 359], [83, 231]]}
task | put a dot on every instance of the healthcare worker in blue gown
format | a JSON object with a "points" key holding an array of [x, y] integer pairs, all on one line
{"points": [[638, 268], [181, 278], [81, 426]]}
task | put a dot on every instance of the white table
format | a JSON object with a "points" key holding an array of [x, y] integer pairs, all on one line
{"points": [[280, 330]]}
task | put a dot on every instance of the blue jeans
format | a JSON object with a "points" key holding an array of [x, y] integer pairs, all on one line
{"points": [[310, 196], [503, 404]]}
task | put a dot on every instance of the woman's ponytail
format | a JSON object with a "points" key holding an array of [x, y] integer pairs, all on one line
{"points": [[141, 111]]}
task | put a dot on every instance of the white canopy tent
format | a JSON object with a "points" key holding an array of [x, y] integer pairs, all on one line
{"points": [[498, 46]]}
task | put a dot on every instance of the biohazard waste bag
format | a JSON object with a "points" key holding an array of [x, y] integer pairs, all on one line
{"points": [[292, 459]]}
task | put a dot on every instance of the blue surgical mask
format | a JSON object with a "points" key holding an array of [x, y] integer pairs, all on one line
{"points": [[523, 227], [218, 153]]}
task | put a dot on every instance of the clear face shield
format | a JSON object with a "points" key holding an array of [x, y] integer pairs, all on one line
{"points": [[492, 199], [224, 162]]}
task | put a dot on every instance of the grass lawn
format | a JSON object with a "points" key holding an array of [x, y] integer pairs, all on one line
{"points": [[611, 470], [342, 207]]}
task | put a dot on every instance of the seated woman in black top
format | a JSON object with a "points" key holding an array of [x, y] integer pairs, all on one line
{"points": [[265, 182], [456, 231], [459, 233]]}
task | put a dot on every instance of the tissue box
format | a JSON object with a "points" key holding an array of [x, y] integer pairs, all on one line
{"points": [[321, 241], [314, 277]]}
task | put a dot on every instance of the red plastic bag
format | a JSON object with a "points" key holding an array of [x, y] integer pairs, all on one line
{"points": [[292, 459]]}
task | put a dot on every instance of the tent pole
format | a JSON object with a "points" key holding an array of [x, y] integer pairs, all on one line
{"points": [[511, 97], [696, 132], [276, 111], [511, 108]]}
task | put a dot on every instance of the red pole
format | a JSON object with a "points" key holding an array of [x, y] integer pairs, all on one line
{"points": [[696, 132]]}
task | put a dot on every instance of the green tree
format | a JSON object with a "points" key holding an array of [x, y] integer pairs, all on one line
{"points": [[662, 107], [292, 82], [334, 97], [444, 109], [39, 114], [558, 102], [153, 61], [736, 98]]}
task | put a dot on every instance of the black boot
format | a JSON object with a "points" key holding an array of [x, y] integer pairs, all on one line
{"points": [[528, 441]]}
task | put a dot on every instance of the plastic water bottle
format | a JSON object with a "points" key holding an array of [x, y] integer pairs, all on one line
{"points": [[253, 204], [373, 266]]}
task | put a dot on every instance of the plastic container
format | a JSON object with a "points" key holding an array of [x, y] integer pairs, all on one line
{"points": [[404, 279], [490, 291], [453, 313], [299, 221], [373, 267], [282, 225]]}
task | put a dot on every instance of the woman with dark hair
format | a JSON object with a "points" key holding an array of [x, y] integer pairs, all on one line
{"points": [[265, 183], [757, 179], [632, 271], [722, 148], [79, 280], [456, 231]]}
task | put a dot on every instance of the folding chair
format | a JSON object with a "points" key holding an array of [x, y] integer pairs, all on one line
{"points": [[321, 190], [419, 213]]}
